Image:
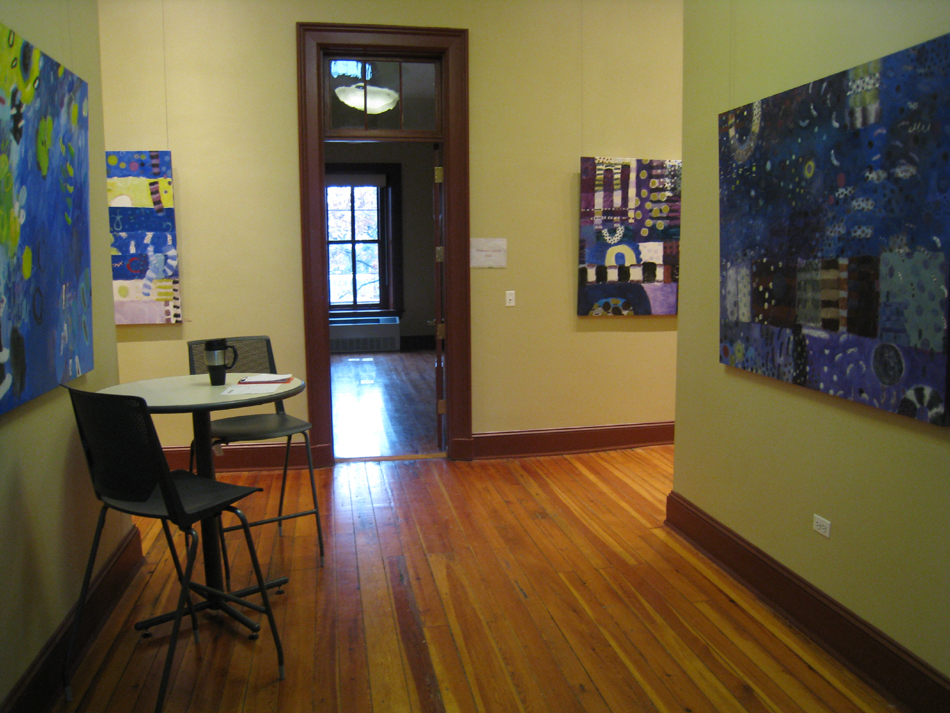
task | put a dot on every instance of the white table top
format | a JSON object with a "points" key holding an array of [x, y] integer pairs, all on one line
{"points": [[194, 392]]}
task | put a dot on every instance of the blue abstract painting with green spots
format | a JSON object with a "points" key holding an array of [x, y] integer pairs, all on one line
{"points": [[45, 283]]}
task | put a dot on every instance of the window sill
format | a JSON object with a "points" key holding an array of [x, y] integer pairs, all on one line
{"points": [[347, 313]]}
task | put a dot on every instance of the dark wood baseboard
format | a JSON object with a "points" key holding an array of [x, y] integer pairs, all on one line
{"points": [[868, 651], [257, 456], [42, 683], [560, 441], [511, 444], [461, 449]]}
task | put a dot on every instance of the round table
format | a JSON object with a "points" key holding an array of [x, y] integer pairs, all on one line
{"points": [[195, 394]]}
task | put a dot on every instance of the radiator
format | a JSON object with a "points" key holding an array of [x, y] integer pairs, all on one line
{"points": [[364, 334]]}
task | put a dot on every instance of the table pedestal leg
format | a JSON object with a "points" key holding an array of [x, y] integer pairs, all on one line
{"points": [[204, 466], [210, 545]]}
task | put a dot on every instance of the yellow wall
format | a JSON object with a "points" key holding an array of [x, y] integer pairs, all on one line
{"points": [[47, 509], [762, 456], [550, 81]]}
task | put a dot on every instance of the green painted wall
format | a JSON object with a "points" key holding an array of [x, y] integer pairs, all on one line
{"points": [[762, 456], [47, 508]]}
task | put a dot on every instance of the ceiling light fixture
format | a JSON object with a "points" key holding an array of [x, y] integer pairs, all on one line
{"points": [[377, 99]]}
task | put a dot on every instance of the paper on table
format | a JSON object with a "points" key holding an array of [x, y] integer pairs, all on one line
{"points": [[251, 389], [266, 379]]}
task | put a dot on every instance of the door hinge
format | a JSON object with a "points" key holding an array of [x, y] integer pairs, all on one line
{"points": [[440, 331], [439, 174], [440, 254], [440, 407]]}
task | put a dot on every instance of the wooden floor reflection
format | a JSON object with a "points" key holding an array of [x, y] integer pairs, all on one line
{"points": [[384, 404], [534, 584]]}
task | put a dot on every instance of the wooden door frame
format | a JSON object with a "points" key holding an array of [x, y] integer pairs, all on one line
{"points": [[451, 46]]}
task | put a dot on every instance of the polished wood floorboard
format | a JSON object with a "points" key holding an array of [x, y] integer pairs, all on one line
{"points": [[384, 404], [539, 584]]}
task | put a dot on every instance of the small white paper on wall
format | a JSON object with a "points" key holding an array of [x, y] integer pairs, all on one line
{"points": [[489, 252]]}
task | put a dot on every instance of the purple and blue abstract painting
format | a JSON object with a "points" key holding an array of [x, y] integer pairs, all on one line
{"points": [[629, 237], [45, 279], [835, 233]]}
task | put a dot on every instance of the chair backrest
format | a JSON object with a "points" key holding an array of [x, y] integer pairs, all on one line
{"points": [[122, 449], [254, 356]]}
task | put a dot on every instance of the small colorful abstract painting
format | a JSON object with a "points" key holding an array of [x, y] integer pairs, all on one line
{"points": [[835, 233], [45, 279], [145, 285], [629, 237]]}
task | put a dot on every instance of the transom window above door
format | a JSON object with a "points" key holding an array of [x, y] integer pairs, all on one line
{"points": [[382, 98]]}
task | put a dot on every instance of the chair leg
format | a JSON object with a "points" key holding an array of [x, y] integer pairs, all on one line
{"points": [[283, 487], [181, 577], [176, 626], [84, 590], [262, 585], [224, 556], [313, 491]]}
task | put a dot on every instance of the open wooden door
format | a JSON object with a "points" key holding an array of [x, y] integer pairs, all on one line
{"points": [[438, 229]]}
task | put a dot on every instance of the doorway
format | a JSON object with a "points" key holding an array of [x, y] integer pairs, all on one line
{"points": [[317, 42], [382, 294]]}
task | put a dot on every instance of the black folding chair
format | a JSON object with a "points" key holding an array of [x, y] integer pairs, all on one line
{"points": [[130, 474], [256, 356]]}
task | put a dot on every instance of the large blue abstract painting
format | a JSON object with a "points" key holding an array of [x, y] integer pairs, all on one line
{"points": [[145, 283], [835, 233], [629, 237], [45, 283]]}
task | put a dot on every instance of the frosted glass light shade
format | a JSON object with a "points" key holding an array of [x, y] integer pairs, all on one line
{"points": [[377, 99]]}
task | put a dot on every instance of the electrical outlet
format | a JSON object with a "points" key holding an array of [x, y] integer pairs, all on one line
{"points": [[821, 525], [510, 298]]}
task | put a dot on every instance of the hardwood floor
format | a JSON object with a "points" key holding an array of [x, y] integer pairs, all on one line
{"points": [[383, 404], [541, 584]]}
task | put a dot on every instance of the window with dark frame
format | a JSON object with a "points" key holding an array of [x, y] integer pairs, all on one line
{"points": [[363, 239], [353, 235]]}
